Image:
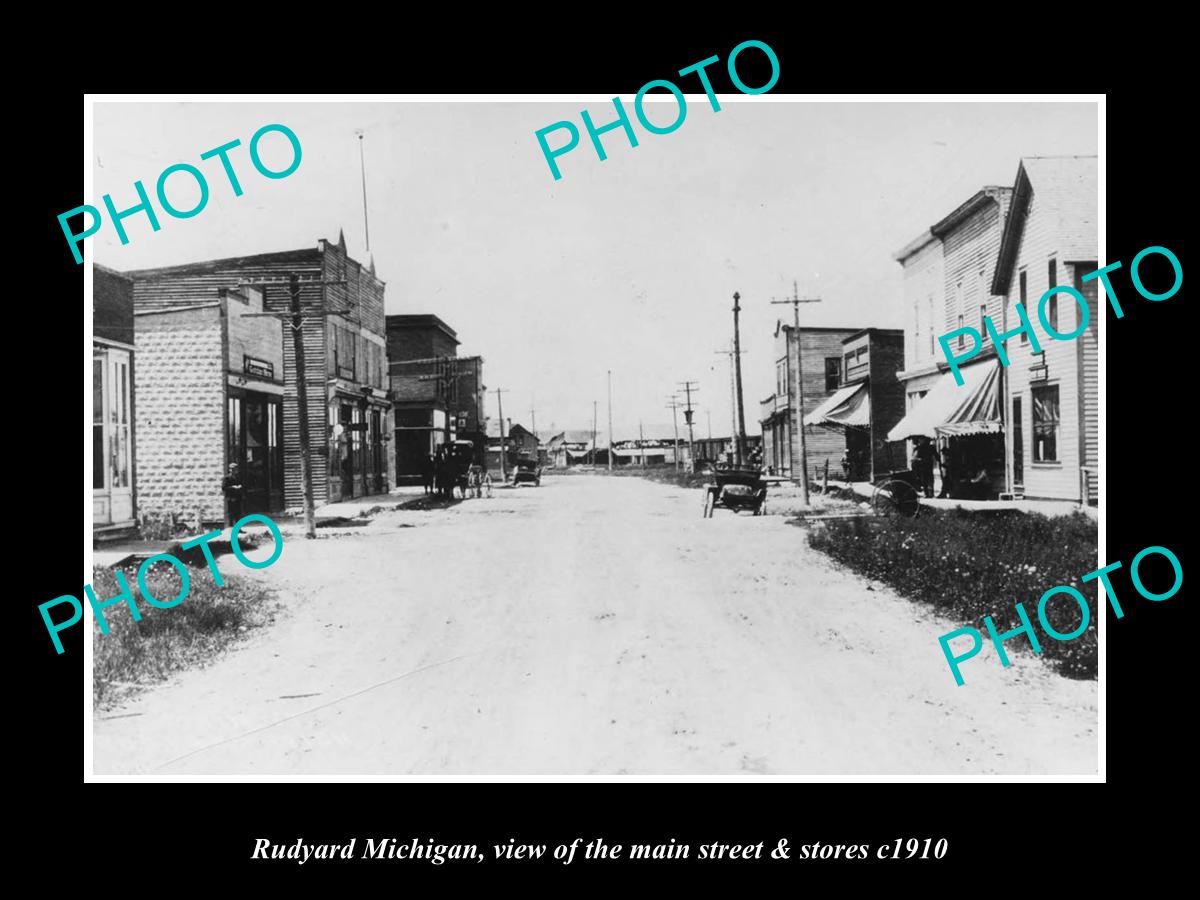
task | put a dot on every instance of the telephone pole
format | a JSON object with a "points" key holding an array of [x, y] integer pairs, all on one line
{"points": [[503, 436], [642, 442], [798, 411], [737, 361], [673, 405], [732, 354], [594, 433], [687, 415], [294, 319], [610, 435]]}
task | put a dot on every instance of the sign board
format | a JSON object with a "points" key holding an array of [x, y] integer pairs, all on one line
{"points": [[1039, 373], [252, 366]]}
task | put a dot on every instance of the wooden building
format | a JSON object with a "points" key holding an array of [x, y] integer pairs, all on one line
{"points": [[820, 353], [114, 481], [437, 396], [1051, 397], [867, 404], [949, 270], [349, 410]]}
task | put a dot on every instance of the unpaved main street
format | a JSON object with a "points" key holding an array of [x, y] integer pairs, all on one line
{"points": [[594, 626]]}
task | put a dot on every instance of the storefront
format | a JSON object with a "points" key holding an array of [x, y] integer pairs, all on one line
{"points": [[255, 433], [965, 422], [358, 452], [112, 445]]}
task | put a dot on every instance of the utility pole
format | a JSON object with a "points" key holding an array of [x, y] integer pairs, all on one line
{"points": [[594, 433], [708, 415], [687, 414], [732, 354], [610, 434], [294, 319], [673, 405], [642, 443], [503, 436], [310, 515], [737, 361], [798, 412]]}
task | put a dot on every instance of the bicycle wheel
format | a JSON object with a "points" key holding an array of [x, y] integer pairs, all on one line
{"points": [[895, 497]]}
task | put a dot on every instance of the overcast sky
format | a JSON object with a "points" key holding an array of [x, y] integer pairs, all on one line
{"points": [[628, 264]]}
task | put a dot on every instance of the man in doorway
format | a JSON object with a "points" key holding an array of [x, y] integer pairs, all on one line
{"points": [[231, 487], [924, 454]]}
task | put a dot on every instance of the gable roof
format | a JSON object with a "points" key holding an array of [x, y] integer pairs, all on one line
{"points": [[1067, 189]]}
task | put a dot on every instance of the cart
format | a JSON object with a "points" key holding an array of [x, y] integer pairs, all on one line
{"points": [[736, 490], [897, 494]]}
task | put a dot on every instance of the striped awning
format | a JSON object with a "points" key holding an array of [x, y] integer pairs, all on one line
{"points": [[950, 409], [847, 407]]}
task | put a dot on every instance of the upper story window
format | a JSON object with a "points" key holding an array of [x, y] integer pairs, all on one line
{"points": [[1024, 298], [833, 373], [781, 385], [961, 336], [1052, 303], [931, 325]]}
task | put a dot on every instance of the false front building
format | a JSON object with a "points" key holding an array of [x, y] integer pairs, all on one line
{"points": [[349, 411]]}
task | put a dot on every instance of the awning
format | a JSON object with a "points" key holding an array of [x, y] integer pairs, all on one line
{"points": [[848, 406], [949, 409]]}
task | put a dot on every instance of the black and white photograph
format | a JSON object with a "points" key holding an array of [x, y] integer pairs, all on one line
{"points": [[535, 439]]}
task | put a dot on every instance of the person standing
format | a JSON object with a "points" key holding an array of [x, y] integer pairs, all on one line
{"points": [[232, 488], [923, 455]]}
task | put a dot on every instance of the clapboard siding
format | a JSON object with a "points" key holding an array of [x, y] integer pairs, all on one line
{"points": [[1089, 358]]}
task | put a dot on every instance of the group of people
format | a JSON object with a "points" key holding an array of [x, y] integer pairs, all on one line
{"points": [[964, 474]]}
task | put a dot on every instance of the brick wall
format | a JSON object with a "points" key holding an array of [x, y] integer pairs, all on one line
{"points": [[180, 413]]}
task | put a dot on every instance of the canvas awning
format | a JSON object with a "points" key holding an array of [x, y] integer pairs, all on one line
{"points": [[848, 406], [950, 409]]}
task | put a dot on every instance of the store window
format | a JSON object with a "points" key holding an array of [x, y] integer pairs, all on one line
{"points": [[98, 423], [1045, 423]]}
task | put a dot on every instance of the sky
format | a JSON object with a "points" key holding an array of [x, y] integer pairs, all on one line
{"points": [[627, 264]]}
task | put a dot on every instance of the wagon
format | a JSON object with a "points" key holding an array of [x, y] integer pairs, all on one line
{"points": [[736, 490], [897, 494]]}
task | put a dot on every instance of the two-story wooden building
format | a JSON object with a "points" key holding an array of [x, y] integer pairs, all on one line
{"points": [[349, 410], [820, 352], [869, 401], [949, 270], [1052, 397]]}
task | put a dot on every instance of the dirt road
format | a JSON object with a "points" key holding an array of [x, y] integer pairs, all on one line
{"points": [[594, 626]]}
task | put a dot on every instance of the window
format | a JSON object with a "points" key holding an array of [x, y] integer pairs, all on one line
{"points": [[1024, 297], [961, 336], [1045, 423], [98, 422], [781, 385], [833, 367], [931, 324], [982, 316], [1052, 303]]}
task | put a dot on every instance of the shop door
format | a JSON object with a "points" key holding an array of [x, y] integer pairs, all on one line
{"points": [[346, 458], [258, 452]]}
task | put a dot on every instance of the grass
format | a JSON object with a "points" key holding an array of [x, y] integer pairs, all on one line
{"points": [[135, 655], [970, 564]]}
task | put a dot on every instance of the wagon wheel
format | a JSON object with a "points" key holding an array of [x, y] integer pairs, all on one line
{"points": [[895, 497]]}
